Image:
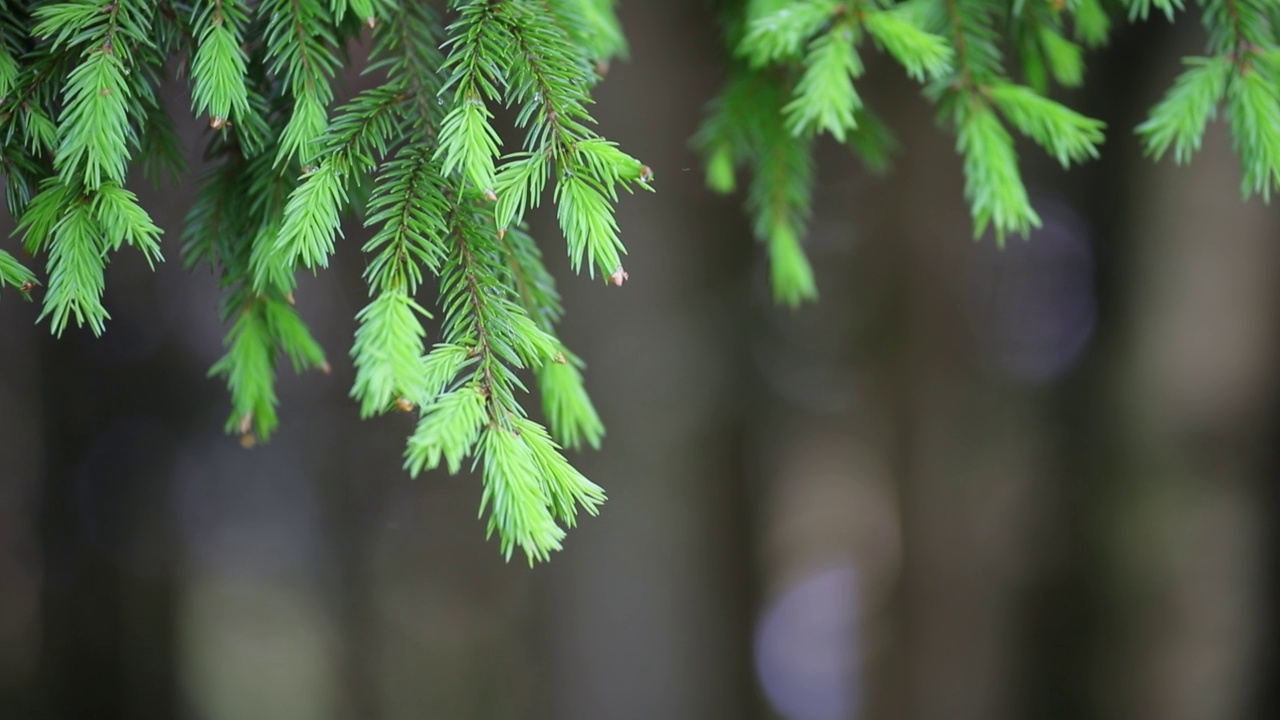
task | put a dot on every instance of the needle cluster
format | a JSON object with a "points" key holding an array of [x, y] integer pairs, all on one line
{"points": [[418, 157], [991, 68]]}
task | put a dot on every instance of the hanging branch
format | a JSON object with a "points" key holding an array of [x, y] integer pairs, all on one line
{"points": [[422, 160]]}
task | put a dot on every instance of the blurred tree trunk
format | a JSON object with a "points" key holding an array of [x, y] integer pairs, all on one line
{"points": [[1191, 397], [22, 577]]}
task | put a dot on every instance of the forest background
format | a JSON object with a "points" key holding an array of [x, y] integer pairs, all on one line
{"points": [[966, 484]]}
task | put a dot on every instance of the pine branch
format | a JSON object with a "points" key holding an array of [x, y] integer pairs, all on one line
{"points": [[528, 484], [1141, 9], [1092, 24], [1179, 120], [360, 133], [1044, 51], [571, 414], [410, 205], [264, 326], [468, 141], [421, 157], [16, 275], [1241, 73], [220, 67], [299, 34], [547, 79], [406, 45], [84, 212], [966, 99], [747, 127]]}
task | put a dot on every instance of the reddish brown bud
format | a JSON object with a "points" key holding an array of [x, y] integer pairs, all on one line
{"points": [[619, 276], [646, 173], [325, 367], [248, 441], [217, 122], [490, 195], [405, 405]]}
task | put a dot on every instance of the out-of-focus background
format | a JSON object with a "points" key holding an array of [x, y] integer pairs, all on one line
{"points": [[969, 484]]}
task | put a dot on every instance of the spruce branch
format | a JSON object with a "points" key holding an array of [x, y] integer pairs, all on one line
{"points": [[1044, 53], [825, 98], [747, 127], [1241, 73], [979, 85], [409, 205], [473, 408], [548, 81], [468, 141], [571, 415], [1141, 9], [922, 53], [1179, 120], [299, 38], [220, 65], [85, 212], [421, 157], [1092, 25], [16, 275]]}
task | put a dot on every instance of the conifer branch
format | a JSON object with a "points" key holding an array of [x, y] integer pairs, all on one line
{"points": [[409, 203], [298, 36], [16, 275], [1241, 72], [528, 485], [420, 156]]}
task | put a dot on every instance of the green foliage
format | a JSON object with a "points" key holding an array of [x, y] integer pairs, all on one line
{"points": [[420, 157], [220, 69], [16, 275], [1240, 76]]}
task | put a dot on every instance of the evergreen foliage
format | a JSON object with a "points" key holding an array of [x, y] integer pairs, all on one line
{"points": [[421, 159]]}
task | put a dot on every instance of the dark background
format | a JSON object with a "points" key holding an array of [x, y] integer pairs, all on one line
{"points": [[966, 485]]}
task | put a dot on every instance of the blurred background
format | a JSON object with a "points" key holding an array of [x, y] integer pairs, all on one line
{"points": [[968, 484]]}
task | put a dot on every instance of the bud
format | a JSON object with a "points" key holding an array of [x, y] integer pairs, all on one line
{"points": [[490, 195], [248, 441], [217, 122], [405, 404], [619, 276], [246, 424]]}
